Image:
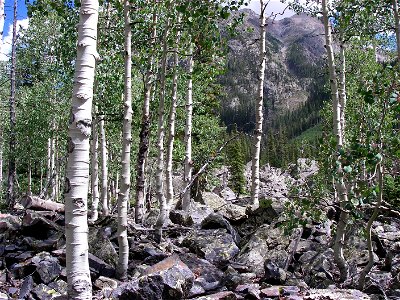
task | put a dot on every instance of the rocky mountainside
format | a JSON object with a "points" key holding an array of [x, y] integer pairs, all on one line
{"points": [[295, 50]]}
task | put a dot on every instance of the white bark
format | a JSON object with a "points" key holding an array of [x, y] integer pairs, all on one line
{"points": [[29, 193], [52, 169], [145, 130], [397, 27], [77, 172], [188, 164], [2, 16], [1, 160], [95, 171], [123, 196], [104, 168], [160, 138], [49, 172], [171, 123], [337, 128], [342, 85], [10, 196], [255, 167]]}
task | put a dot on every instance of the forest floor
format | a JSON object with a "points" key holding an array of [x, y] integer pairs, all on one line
{"points": [[221, 250]]}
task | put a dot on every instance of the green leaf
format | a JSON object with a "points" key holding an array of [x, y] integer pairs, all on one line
{"points": [[347, 169]]}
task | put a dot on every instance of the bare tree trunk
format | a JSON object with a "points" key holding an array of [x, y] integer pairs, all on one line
{"points": [[52, 168], [342, 84], [160, 138], [397, 27], [145, 130], [368, 267], [171, 123], [77, 172], [255, 167], [188, 164], [123, 196], [104, 168], [2, 16], [337, 128], [95, 170], [1, 112], [29, 193], [1, 161], [10, 197]]}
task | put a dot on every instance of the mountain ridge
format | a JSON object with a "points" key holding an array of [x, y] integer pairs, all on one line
{"points": [[295, 51]]}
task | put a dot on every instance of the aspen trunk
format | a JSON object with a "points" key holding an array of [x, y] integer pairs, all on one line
{"points": [[368, 267], [95, 171], [49, 170], [188, 164], [255, 167], [1, 162], [397, 27], [10, 197], [339, 183], [160, 138], [2, 16], [342, 84], [53, 170], [104, 168], [29, 193], [171, 123], [123, 196], [77, 172], [145, 131]]}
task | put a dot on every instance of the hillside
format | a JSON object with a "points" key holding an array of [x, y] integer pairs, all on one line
{"points": [[295, 50]]}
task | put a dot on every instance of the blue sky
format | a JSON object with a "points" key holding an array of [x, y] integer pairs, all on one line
{"points": [[8, 10], [7, 30]]}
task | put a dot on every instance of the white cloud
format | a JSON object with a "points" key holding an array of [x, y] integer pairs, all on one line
{"points": [[274, 7], [7, 39]]}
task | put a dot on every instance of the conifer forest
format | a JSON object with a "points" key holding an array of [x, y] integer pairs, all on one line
{"points": [[203, 149]]}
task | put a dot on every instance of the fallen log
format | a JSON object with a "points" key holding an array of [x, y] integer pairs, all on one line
{"points": [[36, 203]]}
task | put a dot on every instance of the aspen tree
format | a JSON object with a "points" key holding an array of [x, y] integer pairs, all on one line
{"points": [[95, 170], [171, 121], [397, 27], [1, 127], [160, 137], [104, 167], [145, 127], [188, 164], [338, 133], [123, 196], [77, 172], [10, 197], [255, 166]]}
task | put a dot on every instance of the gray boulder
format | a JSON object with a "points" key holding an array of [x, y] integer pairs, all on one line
{"points": [[216, 246], [169, 279]]}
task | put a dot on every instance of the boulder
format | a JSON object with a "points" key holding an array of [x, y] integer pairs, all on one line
{"points": [[266, 243], [273, 273], [216, 246], [233, 212], [105, 283], [180, 217], [207, 276], [169, 279], [227, 194], [215, 221], [101, 246], [213, 201], [219, 296], [335, 294], [100, 267], [47, 267], [9, 223]]}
